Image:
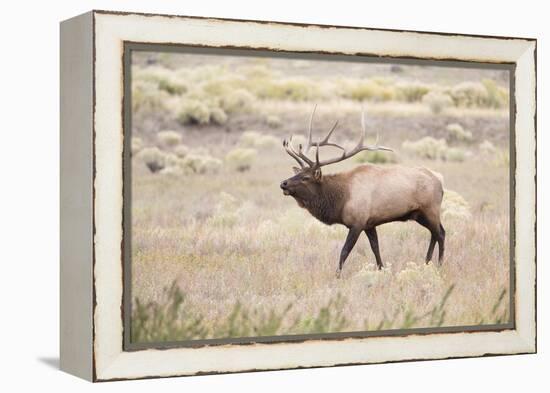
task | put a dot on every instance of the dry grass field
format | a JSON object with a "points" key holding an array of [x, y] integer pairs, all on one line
{"points": [[217, 249]]}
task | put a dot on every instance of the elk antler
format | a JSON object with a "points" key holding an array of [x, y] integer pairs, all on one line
{"points": [[325, 141], [292, 153], [301, 155], [358, 148]]}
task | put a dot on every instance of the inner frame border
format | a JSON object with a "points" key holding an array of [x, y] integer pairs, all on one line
{"points": [[126, 308]]}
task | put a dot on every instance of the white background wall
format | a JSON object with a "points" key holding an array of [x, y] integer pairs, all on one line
{"points": [[29, 181]]}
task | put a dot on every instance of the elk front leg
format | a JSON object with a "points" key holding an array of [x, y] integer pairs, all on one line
{"points": [[353, 235], [373, 239]]}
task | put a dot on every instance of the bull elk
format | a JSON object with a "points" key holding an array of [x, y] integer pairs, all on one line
{"points": [[366, 196]]}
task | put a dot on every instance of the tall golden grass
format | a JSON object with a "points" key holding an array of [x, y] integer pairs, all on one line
{"points": [[218, 251]]}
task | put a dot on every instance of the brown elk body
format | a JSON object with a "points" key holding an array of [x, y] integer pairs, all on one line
{"points": [[366, 196]]}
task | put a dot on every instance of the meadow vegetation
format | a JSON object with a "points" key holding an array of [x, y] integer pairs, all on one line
{"points": [[218, 251]]}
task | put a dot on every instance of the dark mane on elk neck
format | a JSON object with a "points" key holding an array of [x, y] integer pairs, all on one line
{"points": [[326, 205]]}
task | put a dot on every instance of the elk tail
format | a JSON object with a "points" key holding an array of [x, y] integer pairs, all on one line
{"points": [[439, 177]]}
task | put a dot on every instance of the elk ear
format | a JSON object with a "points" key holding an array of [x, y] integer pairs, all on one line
{"points": [[317, 174], [296, 170]]}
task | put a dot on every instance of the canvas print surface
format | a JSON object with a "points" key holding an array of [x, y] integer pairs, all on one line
{"points": [[281, 196]]}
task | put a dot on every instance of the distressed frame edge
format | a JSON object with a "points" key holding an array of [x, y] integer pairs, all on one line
{"points": [[76, 196], [528, 340], [525, 223], [305, 24]]}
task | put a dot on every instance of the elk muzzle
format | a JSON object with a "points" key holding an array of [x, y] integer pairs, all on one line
{"points": [[284, 187]]}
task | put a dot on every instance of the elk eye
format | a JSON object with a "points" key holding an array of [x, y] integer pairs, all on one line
{"points": [[306, 178]]}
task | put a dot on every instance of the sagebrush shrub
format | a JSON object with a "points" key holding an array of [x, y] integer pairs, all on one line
{"points": [[412, 91], [218, 116], [273, 121], [193, 111], [237, 101], [181, 150], [147, 99], [427, 147], [375, 157], [371, 90], [267, 141], [258, 140], [137, 144], [487, 148], [164, 79], [437, 101], [469, 94], [455, 154], [241, 159], [294, 89], [200, 164], [169, 138], [454, 206], [457, 133], [497, 96], [153, 158], [501, 158]]}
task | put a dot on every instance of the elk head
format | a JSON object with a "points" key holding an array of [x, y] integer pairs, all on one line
{"points": [[308, 177]]}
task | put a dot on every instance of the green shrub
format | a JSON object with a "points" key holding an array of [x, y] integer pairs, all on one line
{"points": [[173, 171], [454, 206], [371, 90], [257, 71], [248, 138], [169, 138], [171, 159], [147, 99], [137, 144], [497, 96], [455, 154], [457, 133], [153, 158], [273, 121], [164, 79], [241, 159], [237, 101], [487, 148], [267, 141], [437, 101], [502, 158], [412, 91], [427, 147], [258, 140], [218, 116], [194, 112], [172, 317], [470, 94], [200, 164], [165, 320], [181, 150], [172, 86], [294, 89], [375, 157]]}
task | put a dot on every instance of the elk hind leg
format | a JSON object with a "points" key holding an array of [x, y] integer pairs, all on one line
{"points": [[431, 222], [441, 243], [431, 247]]}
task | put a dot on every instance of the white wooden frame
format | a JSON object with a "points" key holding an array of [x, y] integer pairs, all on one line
{"points": [[92, 194]]}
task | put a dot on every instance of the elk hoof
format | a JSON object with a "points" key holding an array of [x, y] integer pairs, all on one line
{"points": [[338, 273]]}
